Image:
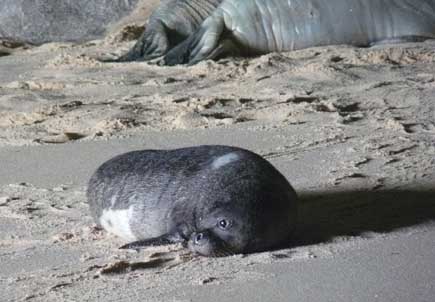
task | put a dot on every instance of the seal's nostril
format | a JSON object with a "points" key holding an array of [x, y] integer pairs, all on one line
{"points": [[198, 238]]}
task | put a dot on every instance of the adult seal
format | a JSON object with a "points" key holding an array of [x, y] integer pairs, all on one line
{"points": [[171, 23], [253, 27], [216, 200]]}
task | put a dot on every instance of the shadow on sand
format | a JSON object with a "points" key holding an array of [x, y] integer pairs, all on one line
{"points": [[323, 216]]}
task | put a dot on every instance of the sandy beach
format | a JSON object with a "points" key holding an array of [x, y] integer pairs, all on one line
{"points": [[352, 129]]}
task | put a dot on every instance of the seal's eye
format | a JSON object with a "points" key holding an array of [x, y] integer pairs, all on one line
{"points": [[223, 224]]}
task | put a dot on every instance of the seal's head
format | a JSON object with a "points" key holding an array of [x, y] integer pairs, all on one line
{"points": [[257, 225], [220, 233], [246, 206]]}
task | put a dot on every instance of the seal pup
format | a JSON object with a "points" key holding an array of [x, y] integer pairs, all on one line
{"points": [[215, 200], [255, 27], [171, 23]]}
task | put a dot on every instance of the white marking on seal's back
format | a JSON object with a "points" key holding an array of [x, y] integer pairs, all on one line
{"points": [[117, 221], [113, 199], [224, 160]]}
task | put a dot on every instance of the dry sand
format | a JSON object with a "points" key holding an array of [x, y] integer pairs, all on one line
{"points": [[352, 129]]}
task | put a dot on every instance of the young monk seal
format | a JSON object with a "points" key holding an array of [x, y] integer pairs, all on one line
{"points": [[216, 200], [253, 27]]}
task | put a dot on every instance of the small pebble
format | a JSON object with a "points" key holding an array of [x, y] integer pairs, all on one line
{"points": [[207, 280], [59, 189], [4, 200]]}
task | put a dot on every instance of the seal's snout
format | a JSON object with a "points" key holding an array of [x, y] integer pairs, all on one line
{"points": [[202, 243], [199, 238], [206, 243]]}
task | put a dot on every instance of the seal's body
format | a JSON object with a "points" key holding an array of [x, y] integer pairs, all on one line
{"points": [[218, 200], [252, 27]]}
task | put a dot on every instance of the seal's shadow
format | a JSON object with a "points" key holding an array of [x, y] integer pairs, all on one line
{"points": [[323, 216]]}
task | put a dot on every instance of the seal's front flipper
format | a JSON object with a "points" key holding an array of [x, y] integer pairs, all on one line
{"points": [[156, 241], [152, 44], [200, 45]]}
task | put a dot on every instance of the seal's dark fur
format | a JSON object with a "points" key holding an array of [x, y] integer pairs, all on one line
{"points": [[178, 194]]}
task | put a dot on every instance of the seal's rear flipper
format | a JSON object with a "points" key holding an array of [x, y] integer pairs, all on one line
{"points": [[201, 45], [153, 43], [180, 53], [156, 241]]}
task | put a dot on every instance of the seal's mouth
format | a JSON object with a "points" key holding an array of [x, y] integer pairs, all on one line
{"points": [[205, 243]]}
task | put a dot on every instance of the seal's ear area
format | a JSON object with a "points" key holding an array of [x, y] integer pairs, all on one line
{"points": [[161, 240]]}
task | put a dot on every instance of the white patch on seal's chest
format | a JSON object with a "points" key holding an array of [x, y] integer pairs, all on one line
{"points": [[224, 160], [117, 221]]}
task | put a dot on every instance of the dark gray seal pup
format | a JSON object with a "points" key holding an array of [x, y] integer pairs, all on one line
{"points": [[171, 23], [253, 27], [216, 200]]}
